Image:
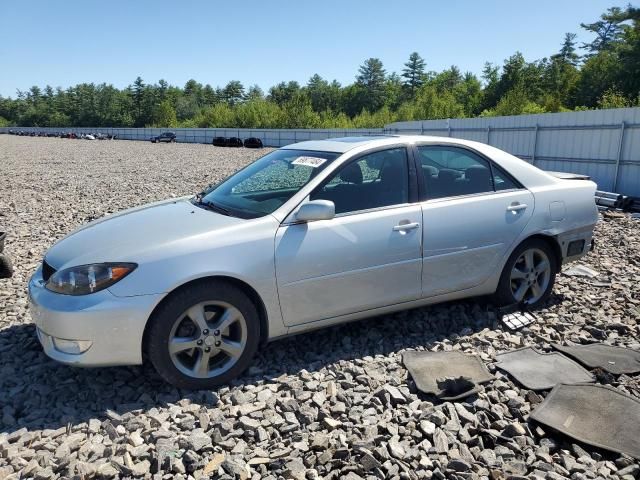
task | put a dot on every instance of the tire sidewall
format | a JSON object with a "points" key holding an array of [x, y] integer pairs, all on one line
{"points": [[164, 318], [503, 295]]}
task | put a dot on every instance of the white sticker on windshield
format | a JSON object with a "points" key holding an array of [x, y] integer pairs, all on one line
{"points": [[313, 162]]}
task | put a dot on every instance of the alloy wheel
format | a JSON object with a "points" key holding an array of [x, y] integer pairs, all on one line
{"points": [[208, 339], [530, 276]]}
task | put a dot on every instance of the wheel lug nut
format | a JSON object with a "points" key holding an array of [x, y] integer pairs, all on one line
{"points": [[216, 333], [217, 344], [205, 332], [207, 349], [199, 342]]}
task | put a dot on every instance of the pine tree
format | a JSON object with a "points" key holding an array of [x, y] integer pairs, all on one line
{"points": [[413, 73], [138, 100], [608, 30], [371, 79], [568, 53], [234, 92]]}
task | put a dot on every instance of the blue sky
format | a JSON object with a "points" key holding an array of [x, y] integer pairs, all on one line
{"points": [[264, 42]]}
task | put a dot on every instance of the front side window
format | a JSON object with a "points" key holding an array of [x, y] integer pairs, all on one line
{"points": [[375, 180], [262, 187], [451, 171]]}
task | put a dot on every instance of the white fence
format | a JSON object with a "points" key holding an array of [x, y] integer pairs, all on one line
{"points": [[604, 144]]}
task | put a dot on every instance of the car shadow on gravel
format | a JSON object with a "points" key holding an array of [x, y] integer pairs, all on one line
{"points": [[39, 393]]}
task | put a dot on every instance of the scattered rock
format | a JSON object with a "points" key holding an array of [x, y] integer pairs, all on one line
{"points": [[331, 404]]}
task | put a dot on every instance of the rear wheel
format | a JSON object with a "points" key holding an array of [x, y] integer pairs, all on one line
{"points": [[529, 275], [203, 336]]}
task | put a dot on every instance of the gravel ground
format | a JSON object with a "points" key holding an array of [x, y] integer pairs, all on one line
{"points": [[329, 404]]}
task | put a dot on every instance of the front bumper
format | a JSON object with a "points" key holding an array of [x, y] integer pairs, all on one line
{"points": [[114, 326]]}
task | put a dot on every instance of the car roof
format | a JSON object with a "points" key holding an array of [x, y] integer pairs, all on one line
{"points": [[527, 174], [344, 144]]}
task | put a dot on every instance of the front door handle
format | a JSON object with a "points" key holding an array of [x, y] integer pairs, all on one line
{"points": [[403, 227], [516, 207]]}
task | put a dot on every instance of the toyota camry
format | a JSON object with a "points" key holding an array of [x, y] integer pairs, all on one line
{"points": [[310, 235]]}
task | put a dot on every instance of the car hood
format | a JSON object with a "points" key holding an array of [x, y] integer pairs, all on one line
{"points": [[132, 235]]}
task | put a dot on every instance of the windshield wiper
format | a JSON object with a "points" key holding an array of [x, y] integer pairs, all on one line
{"points": [[212, 206]]}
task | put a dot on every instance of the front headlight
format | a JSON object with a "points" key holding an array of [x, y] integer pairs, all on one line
{"points": [[86, 279]]}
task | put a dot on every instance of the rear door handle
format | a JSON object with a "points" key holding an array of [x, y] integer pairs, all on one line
{"points": [[516, 207], [403, 227]]}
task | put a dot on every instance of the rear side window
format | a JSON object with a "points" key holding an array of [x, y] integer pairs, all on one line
{"points": [[451, 172], [502, 180]]}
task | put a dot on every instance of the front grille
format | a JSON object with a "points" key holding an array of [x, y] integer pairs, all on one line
{"points": [[47, 270]]}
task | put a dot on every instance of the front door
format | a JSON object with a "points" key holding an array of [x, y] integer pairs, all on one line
{"points": [[368, 256]]}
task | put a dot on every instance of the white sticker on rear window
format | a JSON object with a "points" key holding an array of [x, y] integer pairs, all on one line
{"points": [[313, 162]]}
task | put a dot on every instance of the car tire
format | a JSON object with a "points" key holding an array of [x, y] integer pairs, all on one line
{"points": [[192, 367], [528, 276]]}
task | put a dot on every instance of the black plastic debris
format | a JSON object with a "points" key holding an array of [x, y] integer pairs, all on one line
{"points": [[253, 142], [234, 142]]}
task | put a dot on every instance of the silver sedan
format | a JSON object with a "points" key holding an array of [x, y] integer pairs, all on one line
{"points": [[310, 235]]}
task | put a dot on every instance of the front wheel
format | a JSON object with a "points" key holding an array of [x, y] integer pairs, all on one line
{"points": [[528, 276], [203, 336]]}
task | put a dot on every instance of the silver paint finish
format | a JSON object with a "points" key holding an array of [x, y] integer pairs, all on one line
{"points": [[314, 274], [351, 263], [466, 237], [113, 325]]}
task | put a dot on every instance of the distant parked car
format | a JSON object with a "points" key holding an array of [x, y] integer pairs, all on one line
{"points": [[310, 235], [168, 137]]}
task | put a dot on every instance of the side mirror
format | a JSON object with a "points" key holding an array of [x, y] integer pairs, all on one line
{"points": [[316, 210]]}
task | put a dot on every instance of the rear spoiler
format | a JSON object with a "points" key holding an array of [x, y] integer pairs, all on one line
{"points": [[603, 199], [569, 176]]}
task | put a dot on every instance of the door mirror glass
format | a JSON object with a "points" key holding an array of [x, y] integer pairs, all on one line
{"points": [[316, 210]]}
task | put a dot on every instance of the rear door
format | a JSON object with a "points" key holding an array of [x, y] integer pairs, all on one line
{"points": [[472, 213], [368, 256]]}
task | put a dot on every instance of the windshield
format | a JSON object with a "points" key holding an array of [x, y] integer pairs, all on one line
{"points": [[262, 187]]}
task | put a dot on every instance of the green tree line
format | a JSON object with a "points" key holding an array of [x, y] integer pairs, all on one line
{"points": [[603, 73]]}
